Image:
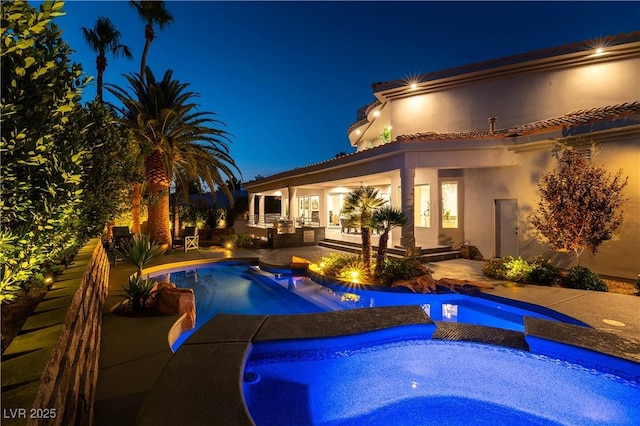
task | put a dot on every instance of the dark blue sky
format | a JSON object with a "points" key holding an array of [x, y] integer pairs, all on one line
{"points": [[288, 77]]}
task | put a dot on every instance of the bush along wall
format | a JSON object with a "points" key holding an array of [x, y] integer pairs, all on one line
{"points": [[52, 366], [542, 272]]}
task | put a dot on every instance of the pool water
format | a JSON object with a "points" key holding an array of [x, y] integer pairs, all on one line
{"points": [[239, 288], [430, 382]]}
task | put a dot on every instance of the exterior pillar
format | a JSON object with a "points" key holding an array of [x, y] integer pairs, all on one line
{"points": [[252, 209], [407, 183], [261, 210], [293, 202], [284, 203]]}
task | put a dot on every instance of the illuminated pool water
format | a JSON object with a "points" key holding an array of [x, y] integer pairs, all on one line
{"points": [[240, 288], [430, 382]]}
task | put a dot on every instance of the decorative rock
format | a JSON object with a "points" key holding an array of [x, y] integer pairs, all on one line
{"points": [[421, 284], [177, 301], [463, 286], [427, 283]]}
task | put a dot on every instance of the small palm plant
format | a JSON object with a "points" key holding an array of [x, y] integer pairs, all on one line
{"points": [[360, 204], [139, 251], [386, 218]]}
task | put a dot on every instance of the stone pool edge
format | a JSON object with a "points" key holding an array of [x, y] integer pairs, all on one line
{"points": [[203, 380]]}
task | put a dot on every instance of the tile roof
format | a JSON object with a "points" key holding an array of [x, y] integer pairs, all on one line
{"points": [[515, 59], [573, 123], [567, 122]]}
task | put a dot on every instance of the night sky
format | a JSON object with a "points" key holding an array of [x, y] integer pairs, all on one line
{"points": [[288, 77]]}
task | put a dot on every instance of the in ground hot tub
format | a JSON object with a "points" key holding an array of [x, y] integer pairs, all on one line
{"points": [[429, 382], [394, 366]]}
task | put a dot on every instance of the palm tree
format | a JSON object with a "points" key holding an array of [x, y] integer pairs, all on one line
{"points": [[387, 218], [360, 204], [179, 144], [151, 12], [101, 39]]}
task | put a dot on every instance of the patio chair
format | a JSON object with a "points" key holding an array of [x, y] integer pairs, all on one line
{"points": [[120, 235], [348, 224], [190, 240]]}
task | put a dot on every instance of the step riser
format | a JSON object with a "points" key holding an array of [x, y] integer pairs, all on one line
{"points": [[430, 257], [398, 250]]}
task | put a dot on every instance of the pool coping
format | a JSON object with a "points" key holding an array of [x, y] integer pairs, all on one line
{"points": [[203, 380]]}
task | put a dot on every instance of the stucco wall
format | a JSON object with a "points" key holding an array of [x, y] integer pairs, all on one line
{"points": [[517, 100], [617, 257]]}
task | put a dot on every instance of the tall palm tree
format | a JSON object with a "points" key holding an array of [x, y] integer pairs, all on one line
{"points": [[387, 218], [151, 12], [101, 39], [360, 205], [179, 144]]}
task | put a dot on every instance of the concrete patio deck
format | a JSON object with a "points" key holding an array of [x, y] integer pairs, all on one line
{"points": [[134, 351]]}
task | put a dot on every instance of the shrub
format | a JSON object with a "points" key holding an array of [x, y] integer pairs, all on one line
{"points": [[244, 240], [335, 264], [582, 278], [401, 269], [496, 268], [638, 282], [138, 291], [543, 272], [518, 270]]}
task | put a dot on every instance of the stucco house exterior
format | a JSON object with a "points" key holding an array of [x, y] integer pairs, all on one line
{"points": [[461, 151]]}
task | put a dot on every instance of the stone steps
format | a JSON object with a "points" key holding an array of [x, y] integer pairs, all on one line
{"points": [[430, 254]]}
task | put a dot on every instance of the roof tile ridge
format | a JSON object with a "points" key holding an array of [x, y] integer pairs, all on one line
{"points": [[565, 120]]}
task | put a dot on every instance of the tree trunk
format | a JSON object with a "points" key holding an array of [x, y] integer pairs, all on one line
{"points": [[135, 207], [176, 218], [158, 225], [101, 65], [157, 178], [149, 36], [366, 249], [382, 251]]}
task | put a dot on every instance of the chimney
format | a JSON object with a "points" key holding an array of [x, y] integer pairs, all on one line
{"points": [[492, 124]]}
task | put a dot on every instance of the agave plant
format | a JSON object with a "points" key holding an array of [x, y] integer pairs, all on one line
{"points": [[138, 291], [139, 251]]}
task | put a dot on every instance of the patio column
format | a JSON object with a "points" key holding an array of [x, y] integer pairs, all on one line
{"points": [[252, 209], [292, 202], [284, 203], [261, 210], [407, 183]]}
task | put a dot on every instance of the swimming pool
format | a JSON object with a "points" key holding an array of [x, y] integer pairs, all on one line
{"points": [[429, 382], [242, 288]]}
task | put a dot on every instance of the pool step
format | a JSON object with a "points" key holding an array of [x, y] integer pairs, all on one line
{"points": [[431, 254]]}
